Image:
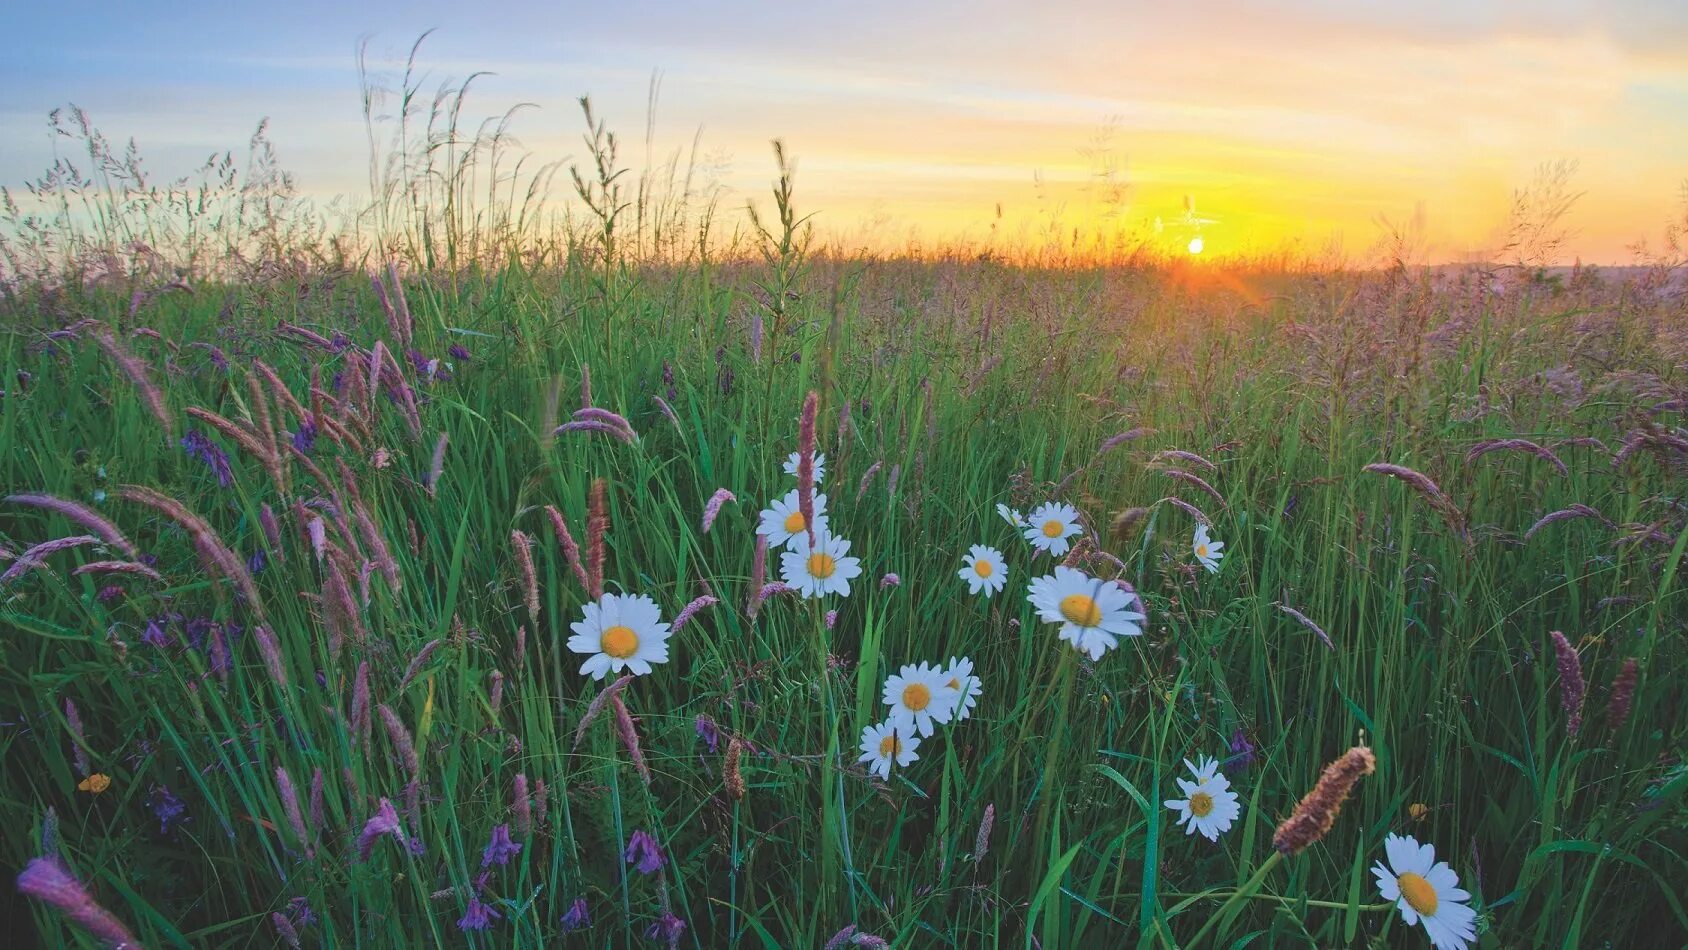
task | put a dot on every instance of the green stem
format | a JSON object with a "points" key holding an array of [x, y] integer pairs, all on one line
{"points": [[1246, 890]]}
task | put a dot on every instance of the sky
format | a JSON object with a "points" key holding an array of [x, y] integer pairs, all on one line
{"points": [[936, 122]]}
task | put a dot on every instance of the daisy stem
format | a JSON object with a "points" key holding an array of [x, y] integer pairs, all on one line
{"points": [[1333, 905], [1064, 675], [1247, 890]]}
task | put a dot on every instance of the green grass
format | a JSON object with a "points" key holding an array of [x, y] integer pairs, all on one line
{"points": [[976, 384]]}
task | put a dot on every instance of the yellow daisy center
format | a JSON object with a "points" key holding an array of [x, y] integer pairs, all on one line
{"points": [[1081, 610], [794, 522], [983, 568], [619, 642], [1053, 528], [1201, 804], [1201, 550], [890, 746], [917, 696], [822, 565], [1420, 895]]}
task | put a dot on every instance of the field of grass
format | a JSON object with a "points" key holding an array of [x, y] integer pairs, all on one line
{"points": [[340, 588]]}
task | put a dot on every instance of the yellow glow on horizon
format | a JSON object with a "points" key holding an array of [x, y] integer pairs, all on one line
{"points": [[1196, 244]]}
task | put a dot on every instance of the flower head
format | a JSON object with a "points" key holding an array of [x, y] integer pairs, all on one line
{"points": [[500, 849], [820, 465], [95, 784], [577, 917], [961, 679], [620, 632], [984, 570], [886, 744], [1206, 549], [478, 917], [1050, 525], [921, 696], [1014, 518], [1426, 891], [821, 568], [1093, 613], [782, 522], [667, 928], [1208, 806], [644, 853]]}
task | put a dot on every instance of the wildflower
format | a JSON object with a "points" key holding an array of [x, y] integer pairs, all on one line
{"points": [[794, 458], [708, 731], [1571, 683], [577, 917], [1418, 811], [782, 522], [920, 696], [821, 568], [1208, 806], [1426, 891], [890, 580], [1206, 549], [888, 743], [1317, 810], [1013, 517], [1050, 525], [621, 632], [285, 930], [667, 928], [385, 821], [202, 448], [49, 881], [644, 853], [305, 439], [966, 685], [478, 917], [984, 571], [457, 352], [1242, 750], [95, 784], [500, 849], [166, 807], [1093, 615]]}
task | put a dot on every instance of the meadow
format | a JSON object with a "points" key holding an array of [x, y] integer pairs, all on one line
{"points": [[294, 550]]}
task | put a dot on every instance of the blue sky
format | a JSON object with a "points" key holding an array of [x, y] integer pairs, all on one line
{"points": [[1295, 125]]}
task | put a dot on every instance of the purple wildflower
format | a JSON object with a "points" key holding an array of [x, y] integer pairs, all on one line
{"points": [[500, 849], [258, 561], [1242, 751], [708, 731], [154, 634], [890, 580], [478, 917], [667, 928], [458, 352], [577, 917], [166, 807], [384, 822], [300, 910], [305, 439], [644, 853], [202, 448], [109, 593]]}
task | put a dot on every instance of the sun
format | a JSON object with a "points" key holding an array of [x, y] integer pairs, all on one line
{"points": [[1195, 245]]}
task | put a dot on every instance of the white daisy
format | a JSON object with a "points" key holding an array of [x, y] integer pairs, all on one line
{"points": [[1206, 549], [1426, 890], [961, 679], [920, 696], [1093, 613], [1010, 515], [985, 570], [783, 520], [822, 569], [820, 465], [885, 743], [621, 632], [1050, 525], [1208, 806]]}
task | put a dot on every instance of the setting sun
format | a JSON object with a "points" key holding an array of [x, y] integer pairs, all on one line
{"points": [[1195, 246]]}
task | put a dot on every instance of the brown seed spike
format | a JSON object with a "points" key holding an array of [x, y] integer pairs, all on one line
{"points": [[1315, 813]]}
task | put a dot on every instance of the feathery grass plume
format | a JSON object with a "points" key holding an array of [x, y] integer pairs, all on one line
{"points": [[1422, 484], [690, 610], [891, 481], [806, 462], [1486, 446], [597, 705], [316, 802], [80, 514], [1307, 622], [541, 801], [1185, 507], [270, 650], [668, 411], [418, 661], [519, 543], [495, 696], [36, 556], [385, 301], [1574, 511], [843, 430], [521, 809], [212, 552], [285, 930], [758, 576], [49, 881], [436, 467], [290, 806], [401, 303], [732, 768], [1198, 482], [78, 741], [1623, 694], [594, 426], [245, 438], [774, 589], [218, 653], [305, 336], [597, 525], [399, 736], [1187, 458], [630, 738], [118, 567], [571, 550], [272, 531], [1572, 686], [261, 404], [712, 509], [283, 396], [982, 840], [137, 373], [361, 726], [1316, 812], [377, 359], [867, 479]]}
